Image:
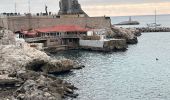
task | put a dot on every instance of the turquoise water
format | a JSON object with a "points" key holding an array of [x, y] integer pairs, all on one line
{"points": [[131, 75], [164, 20]]}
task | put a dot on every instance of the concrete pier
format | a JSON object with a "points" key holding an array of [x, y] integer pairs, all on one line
{"points": [[103, 45]]}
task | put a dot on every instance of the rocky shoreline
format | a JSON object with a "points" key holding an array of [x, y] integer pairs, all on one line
{"points": [[27, 73], [24, 72], [130, 35]]}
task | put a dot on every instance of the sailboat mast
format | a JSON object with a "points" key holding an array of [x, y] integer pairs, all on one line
{"points": [[155, 16]]}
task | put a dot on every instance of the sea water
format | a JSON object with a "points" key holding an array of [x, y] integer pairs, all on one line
{"points": [[164, 20], [140, 73]]}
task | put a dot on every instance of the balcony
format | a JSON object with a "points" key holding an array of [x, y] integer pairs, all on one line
{"points": [[44, 38]]}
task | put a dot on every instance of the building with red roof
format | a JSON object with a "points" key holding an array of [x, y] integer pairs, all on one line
{"points": [[57, 35]]}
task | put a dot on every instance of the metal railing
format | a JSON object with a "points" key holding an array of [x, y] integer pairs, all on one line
{"points": [[43, 38], [35, 39]]}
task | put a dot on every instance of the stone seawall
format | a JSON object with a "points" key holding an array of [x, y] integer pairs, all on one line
{"points": [[158, 29], [106, 46], [28, 22]]}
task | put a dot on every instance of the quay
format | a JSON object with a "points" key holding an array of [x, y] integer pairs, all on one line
{"points": [[106, 45]]}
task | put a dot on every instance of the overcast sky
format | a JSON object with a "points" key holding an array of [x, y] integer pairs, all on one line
{"points": [[93, 7]]}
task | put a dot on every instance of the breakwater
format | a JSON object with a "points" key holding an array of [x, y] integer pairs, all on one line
{"points": [[157, 29]]}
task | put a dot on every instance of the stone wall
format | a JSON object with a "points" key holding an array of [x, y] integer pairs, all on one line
{"points": [[53, 42], [27, 22], [104, 45], [91, 43]]}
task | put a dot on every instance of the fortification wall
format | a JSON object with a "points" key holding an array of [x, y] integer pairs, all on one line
{"points": [[27, 22]]}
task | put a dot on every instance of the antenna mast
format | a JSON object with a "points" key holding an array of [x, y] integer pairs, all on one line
{"points": [[155, 16]]}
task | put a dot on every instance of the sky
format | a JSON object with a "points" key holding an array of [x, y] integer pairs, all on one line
{"points": [[92, 7]]}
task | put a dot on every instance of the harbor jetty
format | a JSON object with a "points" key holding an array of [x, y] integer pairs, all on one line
{"points": [[155, 29]]}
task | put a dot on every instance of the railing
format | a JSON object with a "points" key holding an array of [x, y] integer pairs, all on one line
{"points": [[50, 37], [35, 39], [70, 36]]}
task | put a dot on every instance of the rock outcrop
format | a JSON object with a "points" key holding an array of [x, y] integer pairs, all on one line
{"points": [[129, 34], [6, 37], [50, 66], [39, 86], [24, 72], [17, 57], [70, 7]]}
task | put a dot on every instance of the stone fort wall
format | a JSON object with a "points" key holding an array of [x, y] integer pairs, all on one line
{"points": [[28, 22]]}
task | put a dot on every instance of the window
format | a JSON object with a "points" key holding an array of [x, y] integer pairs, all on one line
{"points": [[70, 40]]}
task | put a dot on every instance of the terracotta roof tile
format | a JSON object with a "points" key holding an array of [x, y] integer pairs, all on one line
{"points": [[62, 28]]}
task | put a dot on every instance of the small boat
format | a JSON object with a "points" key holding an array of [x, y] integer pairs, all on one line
{"points": [[154, 25], [130, 22]]}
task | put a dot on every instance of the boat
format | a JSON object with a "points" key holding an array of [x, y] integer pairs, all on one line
{"points": [[154, 25], [130, 22]]}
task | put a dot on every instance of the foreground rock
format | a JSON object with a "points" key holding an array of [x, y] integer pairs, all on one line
{"points": [[129, 34], [39, 86], [50, 66], [6, 37], [24, 72], [17, 58]]}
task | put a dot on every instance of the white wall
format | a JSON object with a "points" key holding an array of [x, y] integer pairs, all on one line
{"points": [[91, 43], [90, 33]]}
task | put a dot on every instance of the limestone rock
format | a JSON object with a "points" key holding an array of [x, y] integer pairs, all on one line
{"points": [[78, 66], [129, 34], [70, 7], [15, 63], [6, 37], [15, 58], [54, 66], [42, 87]]}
